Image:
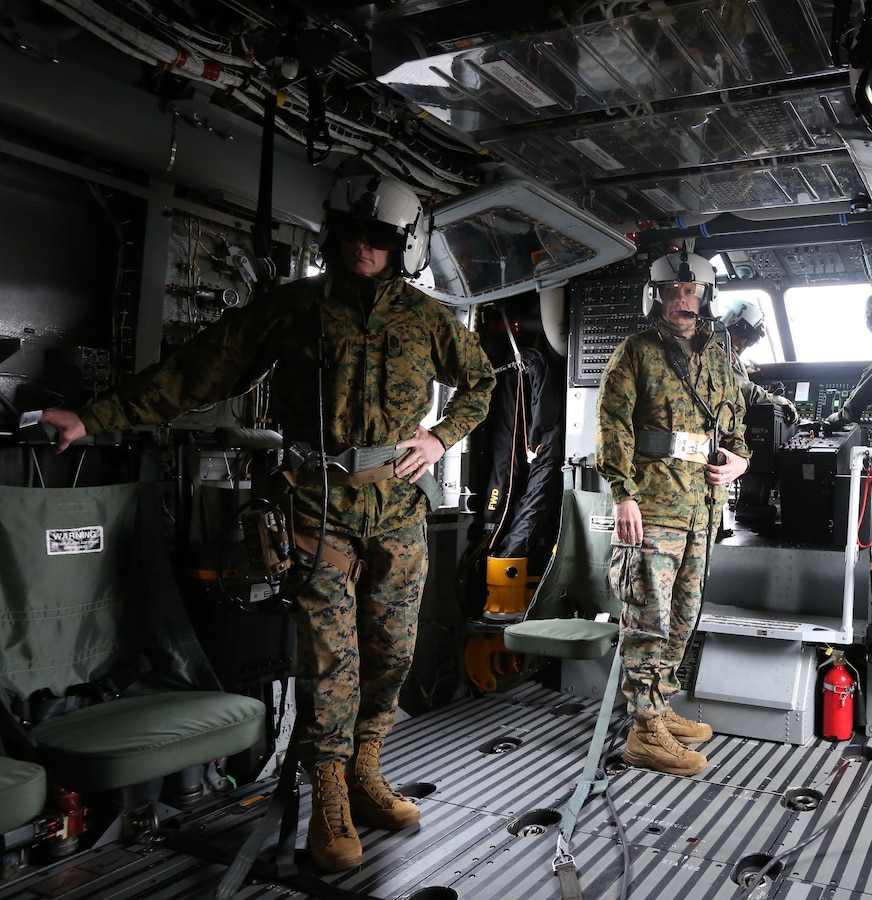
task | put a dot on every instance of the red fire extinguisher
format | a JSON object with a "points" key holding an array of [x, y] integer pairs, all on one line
{"points": [[838, 714]]}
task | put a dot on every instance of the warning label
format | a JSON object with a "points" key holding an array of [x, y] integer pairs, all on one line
{"points": [[595, 153], [88, 539], [518, 83], [602, 523]]}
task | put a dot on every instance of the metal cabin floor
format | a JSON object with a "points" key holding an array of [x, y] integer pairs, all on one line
{"points": [[685, 835]]}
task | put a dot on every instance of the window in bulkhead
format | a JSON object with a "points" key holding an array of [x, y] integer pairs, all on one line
{"points": [[828, 324]]}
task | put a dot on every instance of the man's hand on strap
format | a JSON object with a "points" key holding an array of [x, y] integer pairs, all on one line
{"points": [[424, 449], [734, 467]]}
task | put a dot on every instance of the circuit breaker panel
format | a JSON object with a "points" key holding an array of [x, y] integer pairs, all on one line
{"points": [[601, 315]]}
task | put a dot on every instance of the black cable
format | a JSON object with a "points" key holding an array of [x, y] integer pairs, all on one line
{"points": [[262, 231], [841, 19], [288, 601], [679, 366], [625, 846], [322, 449], [834, 820], [318, 130]]}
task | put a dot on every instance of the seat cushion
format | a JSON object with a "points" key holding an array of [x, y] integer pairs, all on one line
{"points": [[135, 739], [22, 792], [566, 638]]}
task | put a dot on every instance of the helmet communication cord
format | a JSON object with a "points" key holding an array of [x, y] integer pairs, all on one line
{"points": [[713, 421], [318, 317]]}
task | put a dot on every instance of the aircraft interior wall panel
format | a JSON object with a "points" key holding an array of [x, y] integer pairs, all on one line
{"points": [[56, 284], [601, 315], [80, 106], [65, 293]]}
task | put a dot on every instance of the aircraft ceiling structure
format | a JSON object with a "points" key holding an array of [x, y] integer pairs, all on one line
{"points": [[636, 114], [618, 114]]}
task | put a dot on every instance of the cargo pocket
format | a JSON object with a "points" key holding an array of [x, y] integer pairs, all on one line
{"points": [[623, 575]]}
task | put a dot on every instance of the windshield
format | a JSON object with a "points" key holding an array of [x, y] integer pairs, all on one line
{"points": [[827, 324]]}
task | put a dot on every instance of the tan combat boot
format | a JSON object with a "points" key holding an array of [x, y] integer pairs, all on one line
{"points": [[372, 798], [333, 840], [651, 746], [686, 730]]}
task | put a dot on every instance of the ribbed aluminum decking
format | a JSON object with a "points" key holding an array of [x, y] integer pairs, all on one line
{"points": [[492, 775]]}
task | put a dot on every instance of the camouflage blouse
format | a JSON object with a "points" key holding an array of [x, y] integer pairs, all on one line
{"points": [[371, 381], [641, 390]]}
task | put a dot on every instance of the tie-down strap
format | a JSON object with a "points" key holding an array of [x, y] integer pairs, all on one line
{"points": [[593, 781], [353, 568]]}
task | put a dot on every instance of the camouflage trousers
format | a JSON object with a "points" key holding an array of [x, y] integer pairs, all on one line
{"points": [[354, 653], [659, 584]]}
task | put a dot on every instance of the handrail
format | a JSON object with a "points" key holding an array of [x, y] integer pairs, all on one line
{"points": [[859, 456]]}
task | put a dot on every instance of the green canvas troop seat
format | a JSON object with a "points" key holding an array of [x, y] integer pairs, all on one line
{"points": [[565, 638], [560, 622], [89, 606], [574, 588], [22, 792]]}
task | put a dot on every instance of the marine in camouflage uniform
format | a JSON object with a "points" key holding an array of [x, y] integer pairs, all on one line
{"points": [[746, 326], [659, 579], [385, 344], [354, 354]]}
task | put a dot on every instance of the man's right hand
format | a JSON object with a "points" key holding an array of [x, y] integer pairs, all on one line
{"points": [[791, 414], [628, 522], [68, 424], [836, 422]]}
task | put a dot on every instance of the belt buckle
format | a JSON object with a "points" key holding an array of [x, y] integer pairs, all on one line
{"points": [[344, 461]]}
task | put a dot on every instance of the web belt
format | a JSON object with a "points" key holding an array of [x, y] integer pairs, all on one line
{"points": [[351, 460], [679, 444]]}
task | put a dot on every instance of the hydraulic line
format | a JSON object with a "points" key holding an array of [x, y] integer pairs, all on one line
{"points": [[135, 43], [202, 58], [215, 46]]}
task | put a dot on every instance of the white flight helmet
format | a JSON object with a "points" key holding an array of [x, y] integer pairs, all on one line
{"points": [[745, 319], [387, 211], [682, 267]]}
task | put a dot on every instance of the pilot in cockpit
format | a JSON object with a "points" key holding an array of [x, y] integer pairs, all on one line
{"points": [[744, 321]]}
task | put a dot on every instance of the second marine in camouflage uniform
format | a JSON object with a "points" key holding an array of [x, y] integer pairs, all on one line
{"points": [[642, 392], [384, 343]]}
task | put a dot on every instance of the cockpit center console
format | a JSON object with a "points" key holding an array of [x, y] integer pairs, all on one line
{"points": [[796, 489]]}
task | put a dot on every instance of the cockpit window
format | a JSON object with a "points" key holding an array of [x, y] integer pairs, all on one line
{"points": [[828, 324]]}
